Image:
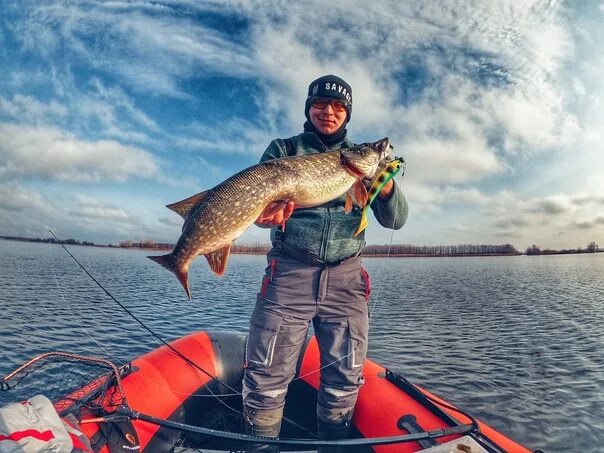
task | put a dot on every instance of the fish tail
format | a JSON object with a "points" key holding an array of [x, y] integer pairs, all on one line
{"points": [[168, 262], [362, 224]]}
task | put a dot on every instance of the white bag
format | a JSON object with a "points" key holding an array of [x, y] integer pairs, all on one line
{"points": [[33, 426]]}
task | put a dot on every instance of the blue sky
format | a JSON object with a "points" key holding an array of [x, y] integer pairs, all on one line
{"points": [[111, 110]]}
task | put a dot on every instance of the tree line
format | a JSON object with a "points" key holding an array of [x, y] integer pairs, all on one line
{"points": [[440, 250], [250, 249], [592, 247], [370, 250], [375, 250], [47, 240]]}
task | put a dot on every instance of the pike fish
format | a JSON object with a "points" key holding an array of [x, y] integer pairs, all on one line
{"points": [[216, 217]]}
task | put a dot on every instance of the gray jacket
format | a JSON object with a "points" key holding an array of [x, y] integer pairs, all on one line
{"points": [[324, 233]]}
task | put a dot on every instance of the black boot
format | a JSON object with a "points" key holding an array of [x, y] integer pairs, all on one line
{"points": [[262, 423], [334, 431]]}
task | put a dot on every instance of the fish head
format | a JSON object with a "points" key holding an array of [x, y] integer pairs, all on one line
{"points": [[363, 160]]}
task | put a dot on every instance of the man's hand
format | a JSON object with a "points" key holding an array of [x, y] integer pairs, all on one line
{"points": [[277, 218], [386, 191]]}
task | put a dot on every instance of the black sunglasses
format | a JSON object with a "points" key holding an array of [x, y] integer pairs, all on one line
{"points": [[337, 105]]}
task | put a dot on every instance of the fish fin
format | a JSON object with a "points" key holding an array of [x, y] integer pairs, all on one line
{"points": [[287, 213], [185, 206], [218, 259], [273, 208], [360, 193], [362, 224], [167, 262], [348, 203]]}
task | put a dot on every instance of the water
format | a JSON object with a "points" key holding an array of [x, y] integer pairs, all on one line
{"points": [[517, 341]]}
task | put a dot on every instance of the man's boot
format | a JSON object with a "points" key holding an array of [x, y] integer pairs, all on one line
{"points": [[264, 423], [328, 430]]}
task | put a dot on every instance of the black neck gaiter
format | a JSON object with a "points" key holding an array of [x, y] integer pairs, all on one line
{"points": [[327, 140]]}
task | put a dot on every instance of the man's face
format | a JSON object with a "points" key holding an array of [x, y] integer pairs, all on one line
{"points": [[326, 120]]}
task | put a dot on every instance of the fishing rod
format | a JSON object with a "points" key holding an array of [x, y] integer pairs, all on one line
{"points": [[143, 325]]}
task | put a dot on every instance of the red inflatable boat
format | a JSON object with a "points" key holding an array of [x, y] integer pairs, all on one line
{"points": [[187, 395]]}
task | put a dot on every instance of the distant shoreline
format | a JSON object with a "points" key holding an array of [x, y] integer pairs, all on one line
{"points": [[371, 251]]}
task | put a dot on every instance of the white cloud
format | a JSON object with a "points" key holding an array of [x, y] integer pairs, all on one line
{"points": [[15, 198], [26, 212], [451, 161], [489, 80], [94, 209], [234, 136], [531, 119], [551, 221], [29, 213], [152, 52], [117, 98], [551, 205], [172, 221], [28, 109], [590, 223], [467, 91], [50, 153]]}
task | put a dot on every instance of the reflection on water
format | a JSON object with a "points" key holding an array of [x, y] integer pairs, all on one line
{"points": [[516, 341]]}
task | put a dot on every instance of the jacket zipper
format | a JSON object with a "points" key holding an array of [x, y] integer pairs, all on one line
{"points": [[327, 224]]}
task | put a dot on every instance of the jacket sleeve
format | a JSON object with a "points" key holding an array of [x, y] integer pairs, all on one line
{"points": [[275, 150], [393, 212]]}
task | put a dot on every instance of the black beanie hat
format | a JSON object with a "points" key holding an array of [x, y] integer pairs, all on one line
{"points": [[330, 86]]}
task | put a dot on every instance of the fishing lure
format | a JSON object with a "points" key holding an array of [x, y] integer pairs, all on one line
{"points": [[391, 169]]}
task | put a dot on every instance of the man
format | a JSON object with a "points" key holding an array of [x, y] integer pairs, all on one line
{"points": [[314, 274]]}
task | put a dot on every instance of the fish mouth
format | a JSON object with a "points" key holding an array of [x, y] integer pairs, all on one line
{"points": [[383, 147], [373, 153], [354, 170]]}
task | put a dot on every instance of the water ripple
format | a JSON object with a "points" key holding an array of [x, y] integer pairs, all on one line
{"points": [[516, 341]]}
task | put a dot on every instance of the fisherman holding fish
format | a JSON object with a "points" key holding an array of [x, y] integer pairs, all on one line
{"points": [[314, 274]]}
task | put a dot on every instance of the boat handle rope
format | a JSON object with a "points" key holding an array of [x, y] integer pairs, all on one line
{"points": [[135, 415]]}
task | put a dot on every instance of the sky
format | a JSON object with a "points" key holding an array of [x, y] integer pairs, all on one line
{"points": [[111, 110]]}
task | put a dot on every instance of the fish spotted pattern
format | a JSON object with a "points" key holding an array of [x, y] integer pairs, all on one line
{"points": [[215, 218]]}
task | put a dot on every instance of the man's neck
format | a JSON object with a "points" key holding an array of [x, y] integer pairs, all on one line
{"points": [[327, 140]]}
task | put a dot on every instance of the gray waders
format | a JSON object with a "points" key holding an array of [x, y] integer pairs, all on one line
{"points": [[294, 294]]}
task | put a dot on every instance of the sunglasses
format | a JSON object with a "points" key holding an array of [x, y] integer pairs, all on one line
{"points": [[336, 104]]}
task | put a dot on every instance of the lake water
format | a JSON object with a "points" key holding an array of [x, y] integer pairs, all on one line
{"points": [[516, 341]]}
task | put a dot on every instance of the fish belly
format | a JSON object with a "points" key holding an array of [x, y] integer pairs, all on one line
{"points": [[323, 191]]}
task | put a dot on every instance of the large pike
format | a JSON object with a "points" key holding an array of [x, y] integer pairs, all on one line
{"points": [[216, 217]]}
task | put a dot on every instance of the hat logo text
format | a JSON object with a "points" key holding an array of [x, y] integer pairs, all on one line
{"points": [[332, 86]]}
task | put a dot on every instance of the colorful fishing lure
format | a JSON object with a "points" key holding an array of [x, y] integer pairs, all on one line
{"points": [[391, 169]]}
